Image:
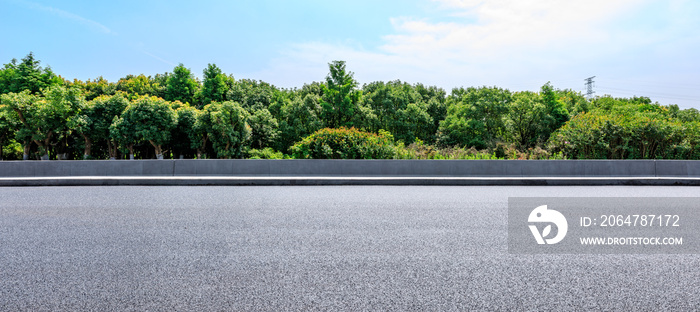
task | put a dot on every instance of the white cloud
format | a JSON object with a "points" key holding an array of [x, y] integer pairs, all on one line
{"points": [[71, 16], [497, 29], [519, 44]]}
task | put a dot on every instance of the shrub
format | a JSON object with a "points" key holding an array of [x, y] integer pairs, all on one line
{"points": [[344, 143], [418, 150], [594, 135], [265, 153]]}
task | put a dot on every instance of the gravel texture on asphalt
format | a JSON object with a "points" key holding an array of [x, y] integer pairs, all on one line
{"points": [[354, 248]]}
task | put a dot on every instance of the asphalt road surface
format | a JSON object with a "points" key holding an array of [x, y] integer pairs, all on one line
{"points": [[351, 248]]}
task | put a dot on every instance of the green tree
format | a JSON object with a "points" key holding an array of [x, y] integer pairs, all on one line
{"points": [[555, 113], [365, 119], [401, 109], [684, 115], [254, 95], [524, 116], [7, 76], [151, 120], [340, 99], [64, 105], [264, 129], [413, 122], [226, 127], [574, 102], [24, 108], [94, 121], [475, 117], [315, 88], [437, 109], [137, 86], [27, 75], [94, 88], [121, 131], [81, 123], [199, 133], [386, 99], [181, 85], [159, 84], [43, 120], [182, 134], [8, 127], [437, 106], [300, 119], [215, 85]]}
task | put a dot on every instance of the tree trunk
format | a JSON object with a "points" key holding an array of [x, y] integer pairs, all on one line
{"points": [[43, 149], [112, 147], [40, 147], [44, 146], [159, 152], [131, 151], [2, 143], [158, 148], [27, 148], [202, 148], [62, 148], [88, 147]]}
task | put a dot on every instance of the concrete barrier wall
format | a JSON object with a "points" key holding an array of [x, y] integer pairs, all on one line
{"points": [[327, 167]]}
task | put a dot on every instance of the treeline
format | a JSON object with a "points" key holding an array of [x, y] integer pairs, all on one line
{"points": [[175, 115]]}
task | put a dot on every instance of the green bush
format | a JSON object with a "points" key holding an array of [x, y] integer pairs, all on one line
{"points": [[11, 151], [344, 143], [418, 150], [265, 153], [642, 135]]}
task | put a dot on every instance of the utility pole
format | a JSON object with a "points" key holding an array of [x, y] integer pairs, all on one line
{"points": [[589, 86]]}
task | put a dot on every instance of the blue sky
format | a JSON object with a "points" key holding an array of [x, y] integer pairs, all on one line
{"points": [[633, 47]]}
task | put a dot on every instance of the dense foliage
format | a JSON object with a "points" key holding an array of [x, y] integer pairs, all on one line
{"points": [[630, 129], [344, 143], [175, 115]]}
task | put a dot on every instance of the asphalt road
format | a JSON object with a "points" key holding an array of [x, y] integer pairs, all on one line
{"points": [[311, 248]]}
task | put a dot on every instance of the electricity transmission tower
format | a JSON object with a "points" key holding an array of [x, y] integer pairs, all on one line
{"points": [[589, 86]]}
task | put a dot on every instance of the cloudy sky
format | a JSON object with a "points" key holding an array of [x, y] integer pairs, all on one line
{"points": [[633, 47]]}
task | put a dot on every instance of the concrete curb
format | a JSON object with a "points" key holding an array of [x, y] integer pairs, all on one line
{"points": [[349, 172], [335, 180]]}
